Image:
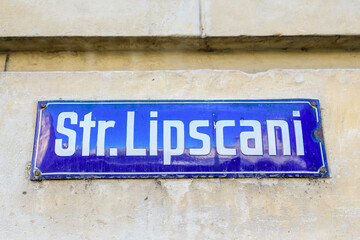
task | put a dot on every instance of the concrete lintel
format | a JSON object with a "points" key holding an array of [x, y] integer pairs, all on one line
{"points": [[347, 42]]}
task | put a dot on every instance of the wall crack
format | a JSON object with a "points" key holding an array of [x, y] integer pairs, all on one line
{"points": [[202, 19], [6, 62]]}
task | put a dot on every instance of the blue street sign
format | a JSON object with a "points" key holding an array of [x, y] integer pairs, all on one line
{"points": [[152, 139]]}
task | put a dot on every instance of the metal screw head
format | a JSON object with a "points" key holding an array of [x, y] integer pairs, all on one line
{"points": [[322, 170], [313, 103], [37, 172], [43, 105]]}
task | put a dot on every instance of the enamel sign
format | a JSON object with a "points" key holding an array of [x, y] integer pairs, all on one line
{"points": [[154, 139]]}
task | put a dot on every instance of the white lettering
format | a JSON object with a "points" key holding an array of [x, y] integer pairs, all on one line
{"points": [[168, 151], [87, 124], [256, 135], [100, 145], [298, 135], [130, 150], [220, 148], [153, 135], [271, 124], [71, 134], [205, 150]]}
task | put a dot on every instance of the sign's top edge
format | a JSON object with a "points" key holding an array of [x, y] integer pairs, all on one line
{"points": [[185, 100]]}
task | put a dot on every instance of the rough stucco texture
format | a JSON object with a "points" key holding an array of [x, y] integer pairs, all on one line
{"points": [[181, 208], [99, 18], [178, 17], [279, 17]]}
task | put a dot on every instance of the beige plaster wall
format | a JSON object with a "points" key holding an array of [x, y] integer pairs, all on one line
{"points": [[178, 18], [181, 208], [279, 17], [99, 18]]}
